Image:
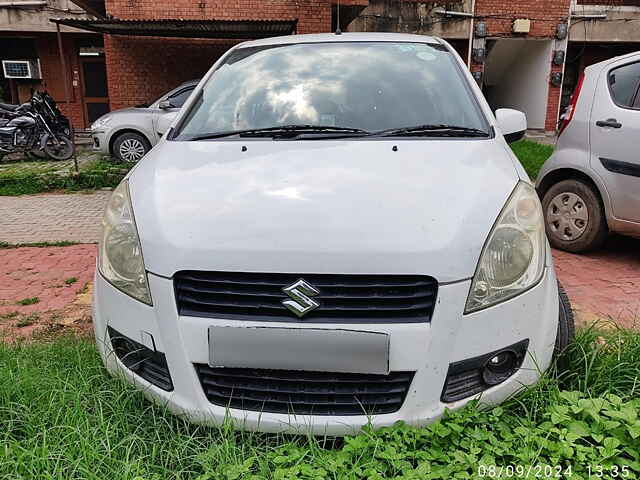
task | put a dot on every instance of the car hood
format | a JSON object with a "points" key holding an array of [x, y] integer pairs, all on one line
{"points": [[320, 206], [131, 111]]}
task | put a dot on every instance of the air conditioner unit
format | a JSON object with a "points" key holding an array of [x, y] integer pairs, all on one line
{"points": [[22, 69]]}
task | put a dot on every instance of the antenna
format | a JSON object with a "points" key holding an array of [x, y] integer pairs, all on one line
{"points": [[338, 31]]}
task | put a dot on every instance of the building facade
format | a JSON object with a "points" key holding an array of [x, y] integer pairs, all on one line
{"points": [[26, 34], [526, 54]]}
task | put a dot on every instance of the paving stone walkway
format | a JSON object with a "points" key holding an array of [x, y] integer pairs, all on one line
{"points": [[604, 284], [52, 217], [43, 278]]}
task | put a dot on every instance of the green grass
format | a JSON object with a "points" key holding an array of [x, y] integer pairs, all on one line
{"points": [[71, 280], [28, 301], [28, 320], [44, 176], [63, 417], [532, 155]]}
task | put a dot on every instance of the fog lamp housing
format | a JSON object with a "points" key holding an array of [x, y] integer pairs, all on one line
{"points": [[475, 375]]}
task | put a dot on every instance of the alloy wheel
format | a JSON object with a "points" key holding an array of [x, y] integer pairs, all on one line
{"points": [[131, 150]]}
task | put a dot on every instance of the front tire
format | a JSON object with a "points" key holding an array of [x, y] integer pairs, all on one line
{"points": [[574, 216], [59, 150], [130, 147], [566, 330], [39, 154]]}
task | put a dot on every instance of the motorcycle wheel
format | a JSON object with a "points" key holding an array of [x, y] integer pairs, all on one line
{"points": [[38, 153], [61, 150]]}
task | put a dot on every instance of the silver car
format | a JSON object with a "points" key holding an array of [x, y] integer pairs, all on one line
{"points": [[591, 184], [128, 134]]}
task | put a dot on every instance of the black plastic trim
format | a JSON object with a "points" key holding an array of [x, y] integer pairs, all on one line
{"points": [[623, 168], [514, 137], [465, 378], [304, 392], [148, 364]]}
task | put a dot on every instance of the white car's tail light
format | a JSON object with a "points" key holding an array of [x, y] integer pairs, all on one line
{"points": [[120, 257], [513, 257]]}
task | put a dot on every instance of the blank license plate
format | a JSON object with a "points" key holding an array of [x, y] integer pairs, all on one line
{"points": [[320, 350]]}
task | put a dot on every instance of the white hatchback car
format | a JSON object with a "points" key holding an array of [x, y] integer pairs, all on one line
{"points": [[591, 184], [334, 231], [129, 133]]}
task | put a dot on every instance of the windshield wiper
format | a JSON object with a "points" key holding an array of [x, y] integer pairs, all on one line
{"points": [[435, 130], [282, 131]]}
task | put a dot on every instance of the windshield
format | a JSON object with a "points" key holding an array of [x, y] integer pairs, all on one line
{"points": [[369, 86]]}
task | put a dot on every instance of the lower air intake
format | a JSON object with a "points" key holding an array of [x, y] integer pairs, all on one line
{"points": [[150, 365], [304, 393]]}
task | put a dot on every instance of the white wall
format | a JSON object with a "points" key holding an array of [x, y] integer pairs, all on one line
{"points": [[517, 76]]}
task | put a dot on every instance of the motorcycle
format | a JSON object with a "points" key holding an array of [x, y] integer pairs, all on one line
{"points": [[25, 130], [59, 123]]}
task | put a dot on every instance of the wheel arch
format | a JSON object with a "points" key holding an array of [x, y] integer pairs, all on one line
{"points": [[115, 135]]}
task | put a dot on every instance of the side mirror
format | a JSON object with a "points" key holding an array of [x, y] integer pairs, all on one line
{"points": [[165, 105], [165, 121], [512, 124]]}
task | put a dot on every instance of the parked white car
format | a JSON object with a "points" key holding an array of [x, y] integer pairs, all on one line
{"points": [[128, 134], [591, 184], [333, 231]]}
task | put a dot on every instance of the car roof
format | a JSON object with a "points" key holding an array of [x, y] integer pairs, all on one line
{"points": [[598, 66], [344, 37]]}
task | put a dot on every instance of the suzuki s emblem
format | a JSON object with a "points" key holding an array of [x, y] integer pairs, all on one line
{"points": [[300, 303]]}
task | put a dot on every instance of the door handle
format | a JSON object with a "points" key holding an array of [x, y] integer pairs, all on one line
{"points": [[611, 123]]}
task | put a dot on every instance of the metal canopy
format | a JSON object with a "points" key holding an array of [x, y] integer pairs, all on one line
{"points": [[177, 27]]}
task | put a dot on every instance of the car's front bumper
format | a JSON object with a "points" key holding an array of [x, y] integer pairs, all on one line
{"points": [[100, 141], [426, 348]]}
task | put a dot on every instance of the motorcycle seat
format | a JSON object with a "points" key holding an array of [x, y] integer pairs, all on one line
{"points": [[8, 106]]}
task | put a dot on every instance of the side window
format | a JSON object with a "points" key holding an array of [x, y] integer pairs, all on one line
{"points": [[178, 99], [623, 83]]}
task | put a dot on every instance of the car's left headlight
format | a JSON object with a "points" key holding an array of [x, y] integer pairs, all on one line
{"points": [[513, 257], [101, 123], [120, 257]]}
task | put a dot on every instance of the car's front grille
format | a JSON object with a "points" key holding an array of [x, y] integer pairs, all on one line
{"points": [[304, 393], [341, 298]]}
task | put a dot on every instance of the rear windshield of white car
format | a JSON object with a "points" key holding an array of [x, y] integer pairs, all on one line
{"points": [[370, 86]]}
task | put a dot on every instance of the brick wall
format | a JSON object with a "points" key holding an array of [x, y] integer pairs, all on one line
{"points": [[314, 15], [140, 69], [544, 15]]}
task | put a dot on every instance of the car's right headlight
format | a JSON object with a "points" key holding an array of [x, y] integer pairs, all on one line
{"points": [[101, 123], [120, 255], [513, 257]]}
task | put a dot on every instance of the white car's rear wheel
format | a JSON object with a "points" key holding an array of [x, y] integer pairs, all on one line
{"points": [[574, 216]]}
